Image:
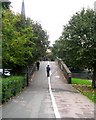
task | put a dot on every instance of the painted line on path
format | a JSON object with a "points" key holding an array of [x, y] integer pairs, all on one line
{"points": [[57, 115]]}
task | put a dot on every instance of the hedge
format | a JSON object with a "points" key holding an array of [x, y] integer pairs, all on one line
{"points": [[11, 86]]}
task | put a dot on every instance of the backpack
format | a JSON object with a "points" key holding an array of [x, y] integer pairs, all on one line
{"points": [[48, 68]]}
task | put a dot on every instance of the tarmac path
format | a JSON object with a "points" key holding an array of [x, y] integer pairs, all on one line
{"points": [[38, 101]]}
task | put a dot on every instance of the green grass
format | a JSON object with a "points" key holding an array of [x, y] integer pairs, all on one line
{"points": [[85, 87], [81, 81]]}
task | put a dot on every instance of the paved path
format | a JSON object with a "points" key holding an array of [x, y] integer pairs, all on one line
{"points": [[36, 102], [70, 103]]}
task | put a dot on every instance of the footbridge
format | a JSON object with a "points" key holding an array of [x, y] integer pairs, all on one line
{"points": [[49, 97]]}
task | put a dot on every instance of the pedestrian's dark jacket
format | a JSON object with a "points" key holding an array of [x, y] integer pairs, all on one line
{"points": [[38, 63], [48, 68]]}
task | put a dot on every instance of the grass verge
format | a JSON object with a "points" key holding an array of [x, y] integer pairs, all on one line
{"points": [[85, 87]]}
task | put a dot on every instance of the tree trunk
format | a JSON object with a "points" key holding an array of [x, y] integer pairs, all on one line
{"points": [[94, 77], [3, 71]]}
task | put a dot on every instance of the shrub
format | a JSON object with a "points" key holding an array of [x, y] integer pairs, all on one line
{"points": [[11, 86]]}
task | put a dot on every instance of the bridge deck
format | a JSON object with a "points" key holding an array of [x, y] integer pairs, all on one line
{"points": [[35, 101]]}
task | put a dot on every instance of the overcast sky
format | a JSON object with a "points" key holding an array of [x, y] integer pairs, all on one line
{"points": [[52, 14]]}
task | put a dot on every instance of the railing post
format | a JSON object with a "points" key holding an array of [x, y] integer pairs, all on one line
{"points": [[69, 79]]}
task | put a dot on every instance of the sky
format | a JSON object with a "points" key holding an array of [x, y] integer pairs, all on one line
{"points": [[52, 14]]}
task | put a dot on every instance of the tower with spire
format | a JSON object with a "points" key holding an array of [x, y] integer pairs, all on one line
{"points": [[23, 9], [95, 6]]}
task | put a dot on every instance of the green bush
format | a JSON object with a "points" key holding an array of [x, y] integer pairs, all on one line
{"points": [[11, 86]]}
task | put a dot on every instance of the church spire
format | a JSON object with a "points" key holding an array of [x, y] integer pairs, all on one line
{"points": [[95, 6], [23, 9]]}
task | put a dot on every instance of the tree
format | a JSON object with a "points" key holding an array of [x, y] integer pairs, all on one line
{"points": [[79, 40], [6, 4], [40, 40], [23, 41], [16, 38]]}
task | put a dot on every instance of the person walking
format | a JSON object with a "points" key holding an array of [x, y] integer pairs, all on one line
{"points": [[38, 65], [48, 70]]}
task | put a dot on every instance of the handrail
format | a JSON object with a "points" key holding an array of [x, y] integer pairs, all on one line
{"points": [[65, 69]]}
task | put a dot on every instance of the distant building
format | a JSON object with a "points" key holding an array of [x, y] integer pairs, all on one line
{"points": [[23, 9], [48, 51], [95, 6]]}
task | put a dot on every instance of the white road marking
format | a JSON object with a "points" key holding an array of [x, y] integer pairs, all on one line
{"points": [[57, 115]]}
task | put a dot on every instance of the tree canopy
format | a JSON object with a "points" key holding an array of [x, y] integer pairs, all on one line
{"points": [[23, 41], [77, 44], [78, 40], [5, 4]]}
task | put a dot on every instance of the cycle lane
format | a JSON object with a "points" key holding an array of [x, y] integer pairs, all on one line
{"points": [[70, 103]]}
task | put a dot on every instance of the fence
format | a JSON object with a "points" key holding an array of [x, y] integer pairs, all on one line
{"points": [[29, 72], [65, 69], [82, 75]]}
